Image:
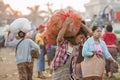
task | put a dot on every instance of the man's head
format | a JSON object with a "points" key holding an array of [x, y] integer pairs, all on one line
{"points": [[109, 28], [41, 28], [80, 37], [21, 34]]}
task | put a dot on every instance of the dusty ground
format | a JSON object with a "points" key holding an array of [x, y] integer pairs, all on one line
{"points": [[8, 69]]}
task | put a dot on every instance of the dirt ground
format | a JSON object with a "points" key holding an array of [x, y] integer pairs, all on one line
{"points": [[8, 69]]}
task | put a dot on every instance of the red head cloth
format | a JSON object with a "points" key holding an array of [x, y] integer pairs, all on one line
{"points": [[41, 26]]}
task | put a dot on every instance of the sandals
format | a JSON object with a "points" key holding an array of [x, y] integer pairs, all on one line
{"points": [[42, 77]]}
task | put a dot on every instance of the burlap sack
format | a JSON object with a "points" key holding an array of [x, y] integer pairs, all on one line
{"points": [[93, 66]]}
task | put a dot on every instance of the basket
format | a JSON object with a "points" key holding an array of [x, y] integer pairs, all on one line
{"points": [[93, 66], [35, 53]]}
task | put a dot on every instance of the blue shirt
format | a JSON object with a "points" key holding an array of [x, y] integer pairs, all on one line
{"points": [[88, 48], [23, 49]]}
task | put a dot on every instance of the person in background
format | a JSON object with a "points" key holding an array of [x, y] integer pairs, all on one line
{"points": [[23, 56], [94, 21], [96, 46], [39, 39], [103, 29], [50, 54], [113, 47]]}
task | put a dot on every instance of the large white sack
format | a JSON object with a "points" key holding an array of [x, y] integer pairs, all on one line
{"points": [[15, 26], [22, 24], [6, 28], [26, 26]]}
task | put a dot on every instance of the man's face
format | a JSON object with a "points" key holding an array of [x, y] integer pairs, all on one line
{"points": [[41, 30], [80, 39]]}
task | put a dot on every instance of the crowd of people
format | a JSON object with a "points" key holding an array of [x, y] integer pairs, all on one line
{"points": [[66, 58]]}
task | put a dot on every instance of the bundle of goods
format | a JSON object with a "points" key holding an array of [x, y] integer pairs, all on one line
{"points": [[20, 24], [55, 24], [6, 28]]}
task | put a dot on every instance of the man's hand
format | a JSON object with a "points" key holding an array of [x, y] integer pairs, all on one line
{"points": [[61, 33], [67, 21], [86, 28]]}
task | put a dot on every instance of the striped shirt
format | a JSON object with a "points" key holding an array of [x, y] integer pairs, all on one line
{"points": [[61, 54]]}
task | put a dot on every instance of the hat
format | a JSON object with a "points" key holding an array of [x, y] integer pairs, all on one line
{"points": [[41, 26]]}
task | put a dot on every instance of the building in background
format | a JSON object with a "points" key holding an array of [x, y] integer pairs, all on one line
{"points": [[95, 7]]}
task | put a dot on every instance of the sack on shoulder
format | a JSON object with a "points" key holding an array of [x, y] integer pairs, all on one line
{"points": [[35, 53], [93, 66]]}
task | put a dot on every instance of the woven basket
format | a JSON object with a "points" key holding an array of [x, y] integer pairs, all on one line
{"points": [[93, 66]]}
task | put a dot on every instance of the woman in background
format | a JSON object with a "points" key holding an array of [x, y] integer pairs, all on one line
{"points": [[96, 46], [113, 46]]}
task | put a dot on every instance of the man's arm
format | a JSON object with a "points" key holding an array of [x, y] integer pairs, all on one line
{"points": [[64, 28], [86, 28]]}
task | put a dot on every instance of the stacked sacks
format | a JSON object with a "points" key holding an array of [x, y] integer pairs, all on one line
{"points": [[56, 23], [20, 24]]}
